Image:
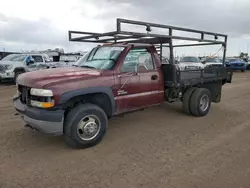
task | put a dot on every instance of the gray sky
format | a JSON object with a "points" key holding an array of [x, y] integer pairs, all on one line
{"points": [[29, 24]]}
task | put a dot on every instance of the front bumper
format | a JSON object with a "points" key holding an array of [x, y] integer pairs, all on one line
{"points": [[44, 121], [239, 67], [8, 75]]}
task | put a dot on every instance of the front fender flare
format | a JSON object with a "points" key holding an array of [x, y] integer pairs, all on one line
{"points": [[90, 90]]}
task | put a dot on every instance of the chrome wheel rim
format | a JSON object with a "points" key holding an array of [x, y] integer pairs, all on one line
{"points": [[204, 103], [88, 127]]}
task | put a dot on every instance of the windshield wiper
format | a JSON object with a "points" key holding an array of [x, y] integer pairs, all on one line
{"points": [[103, 59], [86, 66]]}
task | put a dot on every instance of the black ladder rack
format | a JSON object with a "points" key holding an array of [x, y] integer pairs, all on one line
{"points": [[120, 35], [158, 40]]}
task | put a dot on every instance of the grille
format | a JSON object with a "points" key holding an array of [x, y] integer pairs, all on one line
{"points": [[24, 94], [192, 68], [2, 68], [216, 66], [238, 64]]}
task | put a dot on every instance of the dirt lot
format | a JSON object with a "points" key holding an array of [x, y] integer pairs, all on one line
{"points": [[158, 147]]}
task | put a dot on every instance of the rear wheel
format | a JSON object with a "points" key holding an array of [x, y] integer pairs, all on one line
{"points": [[243, 70], [186, 100], [200, 102], [85, 126]]}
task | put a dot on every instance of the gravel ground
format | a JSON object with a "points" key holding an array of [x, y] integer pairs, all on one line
{"points": [[158, 147]]}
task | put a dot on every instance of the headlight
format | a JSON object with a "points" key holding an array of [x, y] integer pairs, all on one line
{"points": [[42, 98], [41, 92]]}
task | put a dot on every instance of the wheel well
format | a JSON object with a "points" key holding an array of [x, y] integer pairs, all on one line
{"points": [[100, 99], [215, 90], [19, 69], [213, 87]]}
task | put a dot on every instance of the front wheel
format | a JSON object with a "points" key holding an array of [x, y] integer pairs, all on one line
{"points": [[85, 126]]}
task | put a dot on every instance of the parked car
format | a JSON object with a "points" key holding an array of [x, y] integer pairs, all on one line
{"points": [[212, 62], [13, 65], [236, 64], [190, 63]]}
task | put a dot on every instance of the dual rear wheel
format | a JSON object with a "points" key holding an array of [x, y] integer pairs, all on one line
{"points": [[197, 101]]}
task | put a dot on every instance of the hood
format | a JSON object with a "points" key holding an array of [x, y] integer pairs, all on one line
{"points": [[47, 77], [6, 62], [212, 63], [10, 62], [190, 64]]}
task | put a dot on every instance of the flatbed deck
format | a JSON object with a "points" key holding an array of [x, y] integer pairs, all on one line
{"points": [[195, 77]]}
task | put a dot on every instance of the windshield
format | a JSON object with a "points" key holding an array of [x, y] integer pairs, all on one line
{"points": [[68, 58], [190, 59], [214, 60], [14, 57], [102, 58]]}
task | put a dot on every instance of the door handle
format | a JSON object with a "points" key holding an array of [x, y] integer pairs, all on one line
{"points": [[154, 77]]}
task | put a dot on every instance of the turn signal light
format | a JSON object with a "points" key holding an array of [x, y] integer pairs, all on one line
{"points": [[42, 104], [47, 104]]}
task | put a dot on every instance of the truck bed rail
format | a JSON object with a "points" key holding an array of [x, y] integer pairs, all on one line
{"points": [[190, 78]]}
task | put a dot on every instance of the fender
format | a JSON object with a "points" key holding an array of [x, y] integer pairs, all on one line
{"points": [[89, 90]]}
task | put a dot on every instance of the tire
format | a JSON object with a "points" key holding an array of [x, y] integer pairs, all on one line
{"points": [[186, 100], [196, 108], [17, 73], [242, 70], [73, 134]]}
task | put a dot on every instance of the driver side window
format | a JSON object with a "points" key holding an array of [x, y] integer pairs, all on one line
{"points": [[137, 60], [130, 63], [37, 58]]}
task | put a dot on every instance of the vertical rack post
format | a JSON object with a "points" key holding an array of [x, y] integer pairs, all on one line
{"points": [[118, 25], [161, 52], [171, 54], [224, 51]]}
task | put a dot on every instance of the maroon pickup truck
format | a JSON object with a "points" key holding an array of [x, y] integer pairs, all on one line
{"points": [[109, 80]]}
